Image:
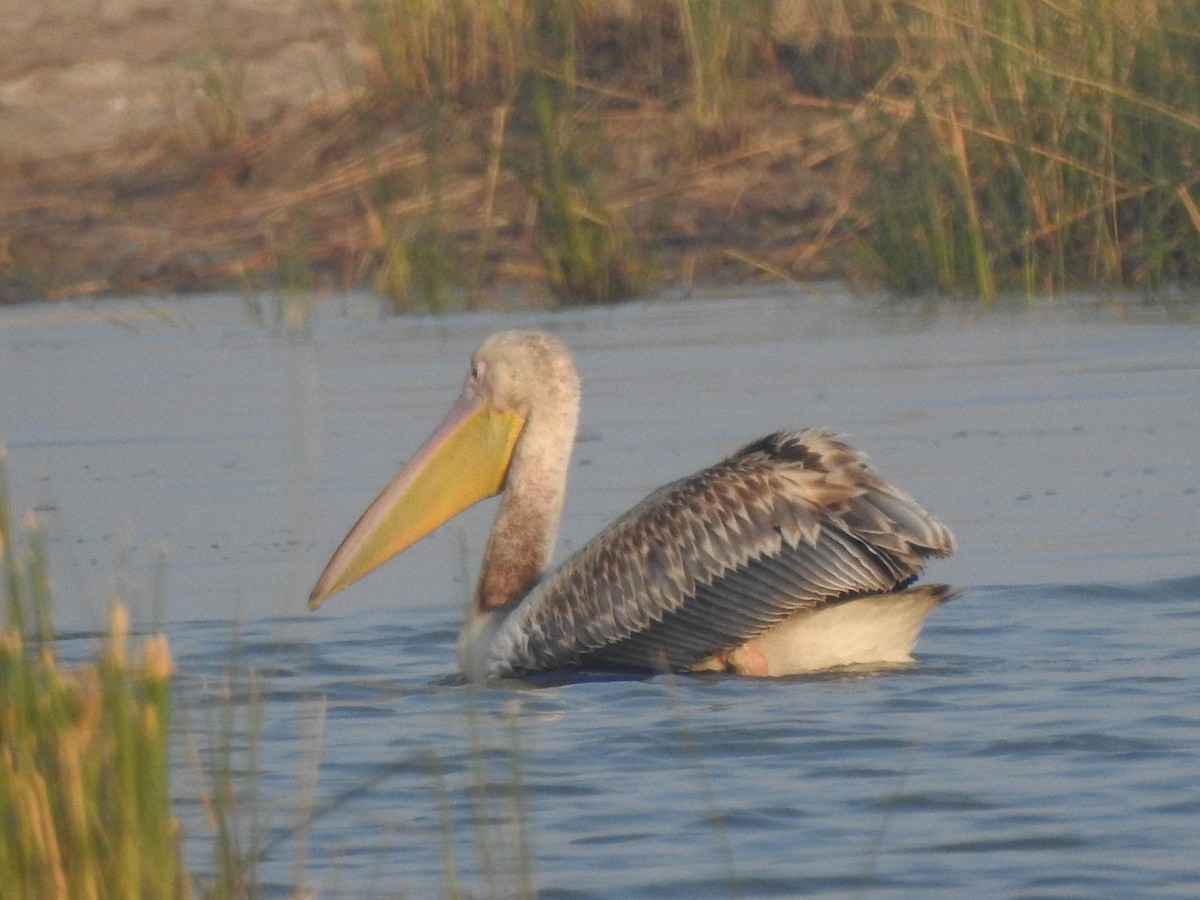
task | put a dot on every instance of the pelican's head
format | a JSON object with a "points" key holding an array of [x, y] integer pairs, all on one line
{"points": [[517, 379]]}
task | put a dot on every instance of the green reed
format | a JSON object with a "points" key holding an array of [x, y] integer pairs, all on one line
{"points": [[85, 799], [586, 251], [718, 36], [426, 60], [84, 789], [512, 67], [1031, 145], [1017, 145], [1024, 145], [230, 770]]}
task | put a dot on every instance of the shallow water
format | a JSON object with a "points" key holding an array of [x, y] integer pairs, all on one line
{"points": [[1043, 744]]}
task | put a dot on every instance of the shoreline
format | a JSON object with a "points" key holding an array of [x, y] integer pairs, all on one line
{"points": [[567, 153], [199, 147]]}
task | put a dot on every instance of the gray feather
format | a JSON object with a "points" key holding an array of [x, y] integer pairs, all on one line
{"points": [[789, 522]]}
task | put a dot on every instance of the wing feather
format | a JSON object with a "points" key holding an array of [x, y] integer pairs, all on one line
{"points": [[789, 522]]}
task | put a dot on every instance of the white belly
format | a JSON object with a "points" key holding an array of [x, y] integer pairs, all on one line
{"points": [[876, 629]]}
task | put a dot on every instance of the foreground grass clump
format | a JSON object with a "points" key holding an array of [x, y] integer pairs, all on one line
{"points": [[85, 801], [1033, 146], [85, 805], [83, 779]]}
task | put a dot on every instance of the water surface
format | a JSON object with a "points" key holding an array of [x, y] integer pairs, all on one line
{"points": [[204, 467]]}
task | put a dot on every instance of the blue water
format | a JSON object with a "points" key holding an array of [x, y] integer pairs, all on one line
{"points": [[1044, 744]]}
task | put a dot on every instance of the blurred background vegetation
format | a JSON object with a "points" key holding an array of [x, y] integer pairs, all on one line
{"points": [[580, 151]]}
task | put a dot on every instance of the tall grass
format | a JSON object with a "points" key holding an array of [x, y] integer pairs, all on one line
{"points": [[85, 799], [1022, 145], [425, 59], [587, 255], [231, 799], [512, 66], [717, 35], [1030, 145], [962, 146], [85, 804]]}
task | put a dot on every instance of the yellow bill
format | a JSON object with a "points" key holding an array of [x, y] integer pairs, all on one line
{"points": [[465, 461]]}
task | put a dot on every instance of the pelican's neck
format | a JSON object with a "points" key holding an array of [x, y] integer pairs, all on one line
{"points": [[526, 527]]}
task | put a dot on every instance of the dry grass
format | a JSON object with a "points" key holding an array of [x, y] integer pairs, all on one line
{"points": [[85, 796], [84, 787], [1035, 147], [592, 150]]}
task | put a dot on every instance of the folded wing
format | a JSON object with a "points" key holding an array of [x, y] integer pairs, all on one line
{"points": [[792, 521]]}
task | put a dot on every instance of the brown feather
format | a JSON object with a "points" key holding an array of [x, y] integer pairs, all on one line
{"points": [[792, 521]]}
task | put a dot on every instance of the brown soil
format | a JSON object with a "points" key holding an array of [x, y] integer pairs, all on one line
{"points": [[185, 145]]}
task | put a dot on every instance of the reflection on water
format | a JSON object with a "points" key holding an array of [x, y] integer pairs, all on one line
{"points": [[1043, 744]]}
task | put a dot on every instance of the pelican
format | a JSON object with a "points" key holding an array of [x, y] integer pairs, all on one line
{"points": [[789, 556]]}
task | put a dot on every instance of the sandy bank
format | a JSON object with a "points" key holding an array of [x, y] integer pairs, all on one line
{"points": [[175, 145]]}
